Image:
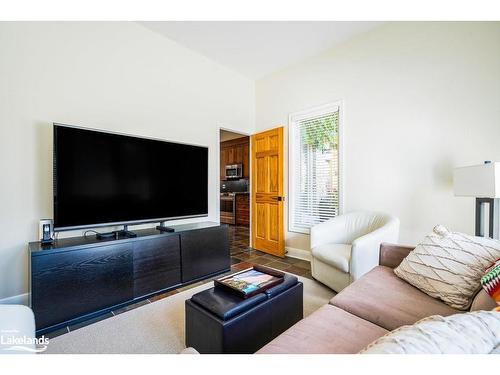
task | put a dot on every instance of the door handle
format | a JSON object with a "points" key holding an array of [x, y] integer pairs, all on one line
{"points": [[279, 199]]}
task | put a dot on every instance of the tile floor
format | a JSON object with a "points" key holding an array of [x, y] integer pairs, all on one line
{"points": [[242, 257]]}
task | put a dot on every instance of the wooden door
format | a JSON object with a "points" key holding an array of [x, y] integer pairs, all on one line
{"points": [[268, 232]]}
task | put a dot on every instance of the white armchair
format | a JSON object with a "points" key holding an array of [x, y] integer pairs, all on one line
{"points": [[346, 247]]}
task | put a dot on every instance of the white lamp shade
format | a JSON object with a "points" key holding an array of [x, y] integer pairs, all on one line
{"points": [[480, 181]]}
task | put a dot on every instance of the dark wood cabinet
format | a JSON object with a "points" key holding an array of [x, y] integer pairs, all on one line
{"points": [[238, 154], [242, 209], [230, 156], [157, 265], [223, 162], [235, 151], [79, 282], [246, 160], [76, 278], [202, 255]]}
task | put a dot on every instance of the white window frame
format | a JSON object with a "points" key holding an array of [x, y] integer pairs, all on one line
{"points": [[293, 119]]}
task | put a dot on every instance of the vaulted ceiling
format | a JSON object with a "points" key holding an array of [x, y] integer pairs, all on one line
{"points": [[258, 48]]}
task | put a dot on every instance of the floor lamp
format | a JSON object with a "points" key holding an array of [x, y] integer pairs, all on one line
{"points": [[482, 182]]}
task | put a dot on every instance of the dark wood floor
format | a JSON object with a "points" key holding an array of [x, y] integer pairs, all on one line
{"points": [[242, 257]]}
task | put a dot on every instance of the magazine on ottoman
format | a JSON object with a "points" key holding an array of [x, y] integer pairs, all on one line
{"points": [[250, 282]]}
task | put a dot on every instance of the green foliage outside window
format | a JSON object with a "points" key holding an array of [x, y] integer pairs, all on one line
{"points": [[322, 133]]}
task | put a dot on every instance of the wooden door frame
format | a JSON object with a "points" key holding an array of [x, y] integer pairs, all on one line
{"points": [[244, 134]]}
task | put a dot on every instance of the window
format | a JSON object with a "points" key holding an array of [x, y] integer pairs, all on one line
{"points": [[314, 167]]}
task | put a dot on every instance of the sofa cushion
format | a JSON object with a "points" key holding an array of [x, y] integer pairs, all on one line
{"points": [[336, 255], [482, 301], [392, 255], [388, 301], [327, 330], [449, 265], [470, 333]]}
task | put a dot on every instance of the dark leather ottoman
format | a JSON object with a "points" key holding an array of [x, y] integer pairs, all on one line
{"points": [[221, 322]]}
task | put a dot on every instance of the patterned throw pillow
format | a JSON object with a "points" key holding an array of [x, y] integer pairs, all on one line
{"points": [[491, 282], [476, 332], [449, 265]]}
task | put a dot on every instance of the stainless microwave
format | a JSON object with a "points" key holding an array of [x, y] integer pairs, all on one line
{"points": [[234, 171]]}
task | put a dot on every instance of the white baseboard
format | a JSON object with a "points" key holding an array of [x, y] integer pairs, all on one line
{"points": [[20, 299], [294, 252]]}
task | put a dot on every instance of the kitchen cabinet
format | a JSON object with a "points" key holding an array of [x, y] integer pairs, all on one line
{"points": [[223, 162], [242, 209], [230, 156], [235, 151], [246, 160]]}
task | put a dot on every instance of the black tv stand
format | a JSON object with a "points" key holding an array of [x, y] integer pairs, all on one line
{"points": [[125, 234], [79, 278], [117, 234], [163, 228]]}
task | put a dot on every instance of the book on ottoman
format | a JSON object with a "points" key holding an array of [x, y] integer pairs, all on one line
{"points": [[250, 282]]}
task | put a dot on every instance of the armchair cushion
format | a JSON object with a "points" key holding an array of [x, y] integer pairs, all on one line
{"points": [[482, 301], [336, 255], [353, 225]]}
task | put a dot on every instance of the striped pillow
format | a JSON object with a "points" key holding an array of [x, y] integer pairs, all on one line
{"points": [[491, 282]]}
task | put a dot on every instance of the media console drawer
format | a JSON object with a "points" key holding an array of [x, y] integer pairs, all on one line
{"points": [[157, 265], [74, 283], [204, 252], [76, 278]]}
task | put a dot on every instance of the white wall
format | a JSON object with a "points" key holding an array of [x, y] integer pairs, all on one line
{"points": [[420, 99], [117, 76]]}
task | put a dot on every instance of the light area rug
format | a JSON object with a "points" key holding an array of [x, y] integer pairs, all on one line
{"points": [[155, 328]]}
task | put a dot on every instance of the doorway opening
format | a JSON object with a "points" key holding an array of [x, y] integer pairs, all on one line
{"points": [[235, 188]]}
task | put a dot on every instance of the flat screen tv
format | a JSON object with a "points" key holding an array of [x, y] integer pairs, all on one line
{"points": [[103, 178]]}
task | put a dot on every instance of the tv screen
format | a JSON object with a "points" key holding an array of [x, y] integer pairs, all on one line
{"points": [[105, 179]]}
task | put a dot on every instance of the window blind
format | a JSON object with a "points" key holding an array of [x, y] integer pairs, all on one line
{"points": [[314, 162]]}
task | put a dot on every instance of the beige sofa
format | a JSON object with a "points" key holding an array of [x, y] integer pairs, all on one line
{"points": [[373, 305]]}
